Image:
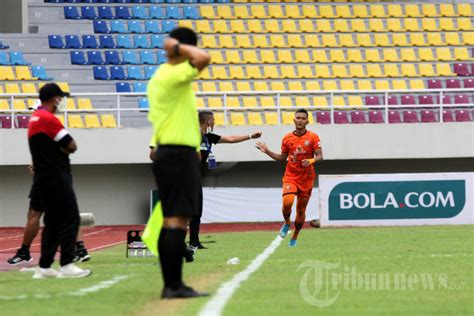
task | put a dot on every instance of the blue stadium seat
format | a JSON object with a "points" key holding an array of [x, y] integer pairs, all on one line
{"points": [[71, 13], [106, 41], [40, 73], [55, 41], [122, 13], [190, 1], [191, 13], [139, 12], [95, 58], [130, 57], [139, 87], [141, 1], [54, 1], [101, 27], [90, 1], [147, 57], [117, 73], [72, 41], [88, 13], [173, 12], [224, 1], [16, 58], [135, 26], [143, 103], [105, 12], [141, 41], [161, 56], [124, 41], [157, 41], [107, 1], [112, 57], [123, 1], [4, 59], [168, 26], [173, 1], [118, 26], [149, 71], [100, 73], [135, 73], [157, 1], [72, 1], [152, 26], [77, 57], [88, 41], [3, 46], [122, 87], [157, 13]]}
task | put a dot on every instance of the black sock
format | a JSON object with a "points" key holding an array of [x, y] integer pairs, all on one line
{"points": [[25, 248], [171, 247], [79, 245]]}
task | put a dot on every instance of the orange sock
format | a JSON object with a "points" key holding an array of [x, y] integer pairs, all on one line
{"points": [[288, 200], [300, 215]]}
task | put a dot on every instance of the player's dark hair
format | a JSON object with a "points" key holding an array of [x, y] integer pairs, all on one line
{"points": [[302, 111], [184, 36], [204, 116]]}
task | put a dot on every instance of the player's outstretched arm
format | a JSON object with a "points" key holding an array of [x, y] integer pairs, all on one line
{"points": [[196, 56], [264, 149], [239, 138]]}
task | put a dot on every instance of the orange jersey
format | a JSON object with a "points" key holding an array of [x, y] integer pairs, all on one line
{"points": [[299, 148]]}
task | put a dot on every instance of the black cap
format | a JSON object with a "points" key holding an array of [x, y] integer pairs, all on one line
{"points": [[50, 91]]}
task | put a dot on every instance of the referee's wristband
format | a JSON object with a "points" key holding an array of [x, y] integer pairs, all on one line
{"points": [[176, 50]]}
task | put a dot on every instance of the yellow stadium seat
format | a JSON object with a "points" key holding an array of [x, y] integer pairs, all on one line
{"points": [[309, 11], [382, 85], [271, 118], [376, 25], [329, 40], [426, 54], [70, 104], [224, 12], [358, 25], [408, 54], [1, 89], [286, 101], [231, 57], [6, 73], [434, 39], [374, 71], [364, 85], [464, 9], [200, 103], [381, 39], [4, 105], [346, 40], [305, 71], [295, 41], [372, 55], [243, 41], [92, 121], [208, 41], [207, 12], [326, 11], [312, 85], [12, 88], [444, 54], [237, 26], [320, 56], [205, 74], [295, 86], [258, 11], [219, 72], [408, 70], [302, 56], [338, 100], [60, 118], [447, 9], [390, 54], [329, 85], [343, 11], [288, 71], [271, 72], [364, 40], [360, 11], [220, 26], [320, 101], [429, 25], [426, 70], [277, 41], [267, 101], [336, 55], [412, 10], [446, 24], [260, 41], [232, 102], [293, 11], [28, 88], [452, 38], [219, 118], [312, 40], [347, 85], [354, 100], [411, 25], [468, 38], [84, 104], [302, 101], [287, 117], [275, 11], [250, 57], [216, 57], [19, 105], [307, 26], [226, 41], [241, 12], [399, 84], [271, 26], [255, 118], [189, 24], [399, 39], [341, 25], [243, 86], [277, 86], [339, 71], [260, 86], [444, 70], [394, 25], [391, 70], [416, 84], [64, 86], [214, 102], [357, 71], [237, 119], [203, 26], [461, 53], [284, 56], [354, 55], [322, 26], [253, 72], [429, 10], [289, 26], [30, 103], [417, 39], [254, 26], [250, 102], [209, 86], [395, 10], [377, 11], [75, 121], [322, 71], [23, 73], [267, 56], [464, 24]]}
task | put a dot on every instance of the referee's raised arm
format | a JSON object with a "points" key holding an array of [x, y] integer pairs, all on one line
{"points": [[196, 56]]}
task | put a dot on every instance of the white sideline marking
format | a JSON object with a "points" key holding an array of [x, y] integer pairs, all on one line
{"points": [[11, 237], [215, 306], [108, 245]]}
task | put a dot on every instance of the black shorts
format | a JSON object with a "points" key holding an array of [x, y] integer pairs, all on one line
{"points": [[36, 202], [176, 170]]}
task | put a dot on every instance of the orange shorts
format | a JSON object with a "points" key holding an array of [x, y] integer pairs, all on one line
{"points": [[300, 188]]}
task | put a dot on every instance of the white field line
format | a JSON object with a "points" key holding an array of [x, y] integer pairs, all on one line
{"points": [[109, 245], [216, 305], [10, 237]]}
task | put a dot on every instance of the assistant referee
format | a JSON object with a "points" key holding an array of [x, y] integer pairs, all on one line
{"points": [[174, 117]]}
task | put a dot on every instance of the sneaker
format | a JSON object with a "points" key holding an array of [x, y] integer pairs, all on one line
{"points": [[293, 243], [284, 230], [189, 254], [73, 271], [183, 292], [43, 273], [196, 245], [82, 255], [20, 257]]}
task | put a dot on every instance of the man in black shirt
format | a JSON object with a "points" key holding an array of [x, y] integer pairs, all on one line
{"points": [[206, 121]]}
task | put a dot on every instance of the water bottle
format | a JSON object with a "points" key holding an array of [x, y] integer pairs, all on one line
{"points": [[211, 161]]}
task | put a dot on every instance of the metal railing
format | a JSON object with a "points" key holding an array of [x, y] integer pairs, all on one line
{"points": [[119, 110]]}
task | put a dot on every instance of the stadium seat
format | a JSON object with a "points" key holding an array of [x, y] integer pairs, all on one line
{"points": [[429, 25], [141, 41], [147, 57], [3, 46], [149, 71], [156, 12], [23, 121], [434, 84], [40, 73], [143, 103], [134, 73], [6, 121], [139, 12], [462, 69], [443, 70], [122, 87], [71, 12], [101, 27], [382, 85], [100, 73], [112, 57], [135, 26], [408, 100], [84, 104], [12, 88], [267, 101], [462, 116], [168, 26], [417, 39], [28, 88], [364, 40], [122, 12], [358, 117], [408, 70], [16, 58], [461, 53], [320, 56], [425, 99], [453, 84], [118, 26], [294, 41], [105, 12], [376, 117], [237, 118], [91, 121], [157, 41], [78, 58], [390, 54], [394, 117], [374, 71], [410, 117], [399, 84], [448, 116], [75, 121], [428, 116], [130, 57], [416, 84], [468, 83], [461, 99], [392, 100], [88, 13], [72, 41], [254, 118], [95, 58], [372, 100], [323, 117], [340, 117], [56, 41], [464, 9], [23, 73], [408, 54]]}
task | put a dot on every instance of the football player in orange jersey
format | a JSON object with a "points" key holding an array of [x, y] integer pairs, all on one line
{"points": [[302, 149]]}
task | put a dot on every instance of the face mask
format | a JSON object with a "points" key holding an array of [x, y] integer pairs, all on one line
{"points": [[61, 105], [209, 129]]}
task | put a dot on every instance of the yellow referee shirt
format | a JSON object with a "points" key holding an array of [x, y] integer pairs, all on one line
{"points": [[173, 112]]}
